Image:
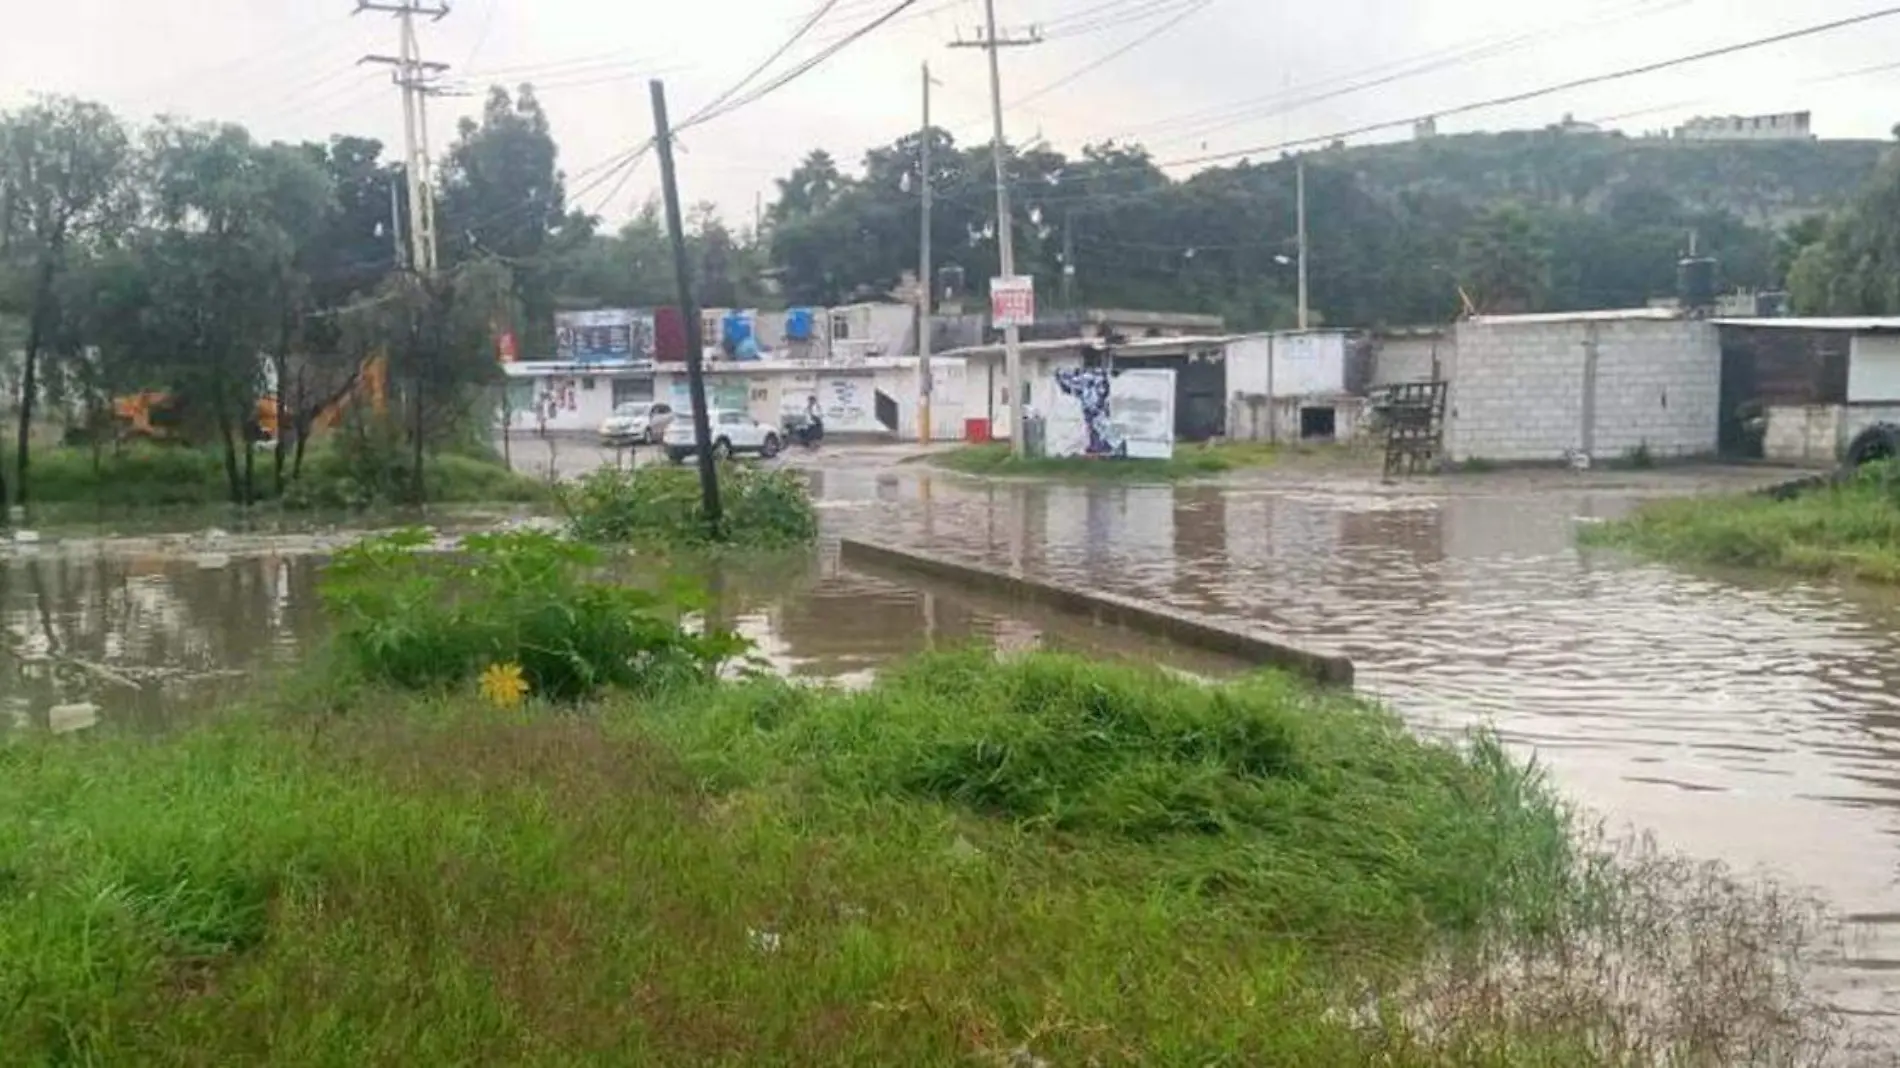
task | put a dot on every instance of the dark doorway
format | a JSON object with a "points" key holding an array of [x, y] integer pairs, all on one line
{"points": [[1318, 424]]}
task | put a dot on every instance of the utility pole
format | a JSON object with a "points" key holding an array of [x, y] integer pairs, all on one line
{"points": [[412, 74], [395, 222], [1005, 222], [689, 310], [925, 286], [1068, 260], [1299, 197]]}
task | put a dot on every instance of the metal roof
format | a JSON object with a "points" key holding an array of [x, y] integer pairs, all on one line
{"points": [[1868, 324], [1606, 315]]}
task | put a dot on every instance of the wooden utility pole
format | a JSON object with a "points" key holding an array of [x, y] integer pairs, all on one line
{"points": [[1299, 197], [1005, 223], [925, 286], [689, 309], [412, 75]]}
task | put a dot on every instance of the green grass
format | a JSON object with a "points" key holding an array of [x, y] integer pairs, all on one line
{"points": [[971, 863], [1850, 530], [662, 507], [995, 460], [148, 476]]}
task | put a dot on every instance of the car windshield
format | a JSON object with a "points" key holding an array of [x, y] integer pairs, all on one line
{"points": [[633, 408]]}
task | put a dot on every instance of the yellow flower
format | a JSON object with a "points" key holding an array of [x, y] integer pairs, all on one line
{"points": [[503, 684]]}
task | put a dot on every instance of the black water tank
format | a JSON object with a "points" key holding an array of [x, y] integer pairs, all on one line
{"points": [[1695, 282]]}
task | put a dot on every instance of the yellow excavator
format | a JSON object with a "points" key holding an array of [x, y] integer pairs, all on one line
{"points": [[157, 415]]}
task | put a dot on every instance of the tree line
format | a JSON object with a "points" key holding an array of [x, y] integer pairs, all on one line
{"points": [[198, 261]]}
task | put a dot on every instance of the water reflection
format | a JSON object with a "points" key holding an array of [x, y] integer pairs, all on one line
{"points": [[1737, 718], [1753, 721]]}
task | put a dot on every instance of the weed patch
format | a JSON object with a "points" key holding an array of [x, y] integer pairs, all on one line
{"points": [[757, 873], [527, 603], [996, 460], [661, 506], [1850, 529]]}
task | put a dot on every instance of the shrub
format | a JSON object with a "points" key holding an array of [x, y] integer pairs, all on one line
{"points": [[418, 619], [1318, 810], [764, 509]]}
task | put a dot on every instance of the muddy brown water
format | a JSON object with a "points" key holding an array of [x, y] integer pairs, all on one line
{"points": [[1736, 717]]}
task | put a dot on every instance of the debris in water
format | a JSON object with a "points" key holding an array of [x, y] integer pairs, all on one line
{"points": [[65, 719], [763, 941]]}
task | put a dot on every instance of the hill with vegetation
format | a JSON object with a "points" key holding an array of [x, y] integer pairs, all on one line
{"points": [[1763, 183]]}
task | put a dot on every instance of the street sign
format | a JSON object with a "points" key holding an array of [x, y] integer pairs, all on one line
{"points": [[1012, 302]]}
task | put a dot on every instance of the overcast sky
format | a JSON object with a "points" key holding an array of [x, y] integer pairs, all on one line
{"points": [[287, 69]]}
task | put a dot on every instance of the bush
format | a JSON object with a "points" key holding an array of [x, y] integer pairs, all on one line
{"points": [[418, 619], [136, 475], [996, 459], [1852, 528], [764, 509], [1316, 809]]}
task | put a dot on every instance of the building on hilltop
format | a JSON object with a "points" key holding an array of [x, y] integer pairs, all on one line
{"points": [[1791, 126]]}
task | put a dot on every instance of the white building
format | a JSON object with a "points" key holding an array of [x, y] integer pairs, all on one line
{"points": [[1792, 126], [1294, 385], [1815, 384], [1530, 388]]}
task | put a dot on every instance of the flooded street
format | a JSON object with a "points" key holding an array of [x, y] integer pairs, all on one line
{"points": [[1744, 719]]}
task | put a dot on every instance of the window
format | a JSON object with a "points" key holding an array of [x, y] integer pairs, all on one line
{"points": [[587, 385], [731, 418], [632, 390], [661, 409], [841, 328]]}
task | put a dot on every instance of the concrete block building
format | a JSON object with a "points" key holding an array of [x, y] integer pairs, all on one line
{"points": [[1801, 390], [1539, 388]]}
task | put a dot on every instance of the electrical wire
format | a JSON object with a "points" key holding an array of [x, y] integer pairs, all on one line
{"points": [[1548, 90], [1192, 8], [797, 35], [707, 115]]}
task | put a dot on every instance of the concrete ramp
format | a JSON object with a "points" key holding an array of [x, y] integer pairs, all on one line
{"points": [[1180, 627]]}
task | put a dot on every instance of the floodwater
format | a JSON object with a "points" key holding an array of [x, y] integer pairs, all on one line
{"points": [[1739, 718]]}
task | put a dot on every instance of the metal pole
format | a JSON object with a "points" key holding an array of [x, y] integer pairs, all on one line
{"points": [[689, 308], [924, 284], [1005, 235], [1300, 209]]}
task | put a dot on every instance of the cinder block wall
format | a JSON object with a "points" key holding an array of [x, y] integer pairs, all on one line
{"points": [[1659, 385], [1517, 389]]}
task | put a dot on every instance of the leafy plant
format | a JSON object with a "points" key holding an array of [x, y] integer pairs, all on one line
{"points": [[420, 619], [662, 506]]}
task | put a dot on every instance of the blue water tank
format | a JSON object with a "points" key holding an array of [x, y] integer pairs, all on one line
{"points": [[799, 323], [735, 330]]}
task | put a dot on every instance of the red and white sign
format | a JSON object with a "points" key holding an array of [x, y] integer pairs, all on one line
{"points": [[1012, 302]]}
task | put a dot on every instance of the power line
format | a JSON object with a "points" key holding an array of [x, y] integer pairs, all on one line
{"points": [[1192, 8], [1275, 104], [797, 35], [1548, 90], [707, 115]]}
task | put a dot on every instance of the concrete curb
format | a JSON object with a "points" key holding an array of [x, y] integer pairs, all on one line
{"points": [[1325, 669]]}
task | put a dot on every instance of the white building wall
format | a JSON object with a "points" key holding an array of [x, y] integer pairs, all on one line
{"points": [[1518, 389], [1858, 417], [1308, 363], [1247, 365], [1802, 433], [1517, 392], [1873, 369], [1408, 359], [1658, 387]]}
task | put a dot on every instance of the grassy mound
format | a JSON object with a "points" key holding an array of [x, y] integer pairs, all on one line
{"points": [[661, 506], [1851, 529], [145, 476], [1048, 861], [995, 460]]}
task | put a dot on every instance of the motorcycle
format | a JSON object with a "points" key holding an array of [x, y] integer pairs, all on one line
{"points": [[803, 430]]}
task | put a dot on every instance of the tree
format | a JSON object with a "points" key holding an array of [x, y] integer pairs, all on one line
{"points": [[1854, 269], [62, 164], [1504, 261], [503, 196], [220, 256]]}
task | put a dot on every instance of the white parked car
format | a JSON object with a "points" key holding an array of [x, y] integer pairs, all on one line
{"points": [[732, 433], [636, 423]]}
